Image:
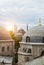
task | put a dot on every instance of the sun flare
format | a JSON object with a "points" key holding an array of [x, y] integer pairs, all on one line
{"points": [[9, 27]]}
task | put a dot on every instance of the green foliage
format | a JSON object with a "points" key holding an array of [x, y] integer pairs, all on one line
{"points": [[12, 34], [17, 45], [17, 39]]}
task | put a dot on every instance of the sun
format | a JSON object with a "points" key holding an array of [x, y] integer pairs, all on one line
{"points": [[9, 27]]}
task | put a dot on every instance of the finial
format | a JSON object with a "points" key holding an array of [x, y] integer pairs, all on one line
{"points": [[40, 24]]}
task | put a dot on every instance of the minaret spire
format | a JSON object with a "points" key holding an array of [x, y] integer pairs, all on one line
{"points": [[40, 24], [15, 28], [27, 27]]}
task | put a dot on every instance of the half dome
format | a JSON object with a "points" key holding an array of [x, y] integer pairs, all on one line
{"points": [[4, 34]]}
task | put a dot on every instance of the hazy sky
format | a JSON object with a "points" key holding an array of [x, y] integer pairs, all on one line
{"points": [[21, 12]]}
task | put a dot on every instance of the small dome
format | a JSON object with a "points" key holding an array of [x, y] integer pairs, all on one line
{"points": [[4, 34], [21, 31]]}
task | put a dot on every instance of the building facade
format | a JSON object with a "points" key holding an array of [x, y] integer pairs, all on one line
{"points": [[32, 44], [6, 47], [6, 43]]}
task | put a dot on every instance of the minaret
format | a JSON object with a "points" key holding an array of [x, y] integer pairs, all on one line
{"points": [[27, 27], [40, 24], [15, 28]]}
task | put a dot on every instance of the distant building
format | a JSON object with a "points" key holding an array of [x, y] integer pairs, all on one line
{"points": [[6, 43]]}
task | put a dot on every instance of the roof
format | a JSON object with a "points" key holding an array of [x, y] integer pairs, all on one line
{"points": [[38, 61], [6, 59]]}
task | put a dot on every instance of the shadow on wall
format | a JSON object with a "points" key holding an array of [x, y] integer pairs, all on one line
{"points": [[42, 53]]}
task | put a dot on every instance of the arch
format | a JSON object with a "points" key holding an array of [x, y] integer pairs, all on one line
{"points": [[27, 39], [42, 53], [8, 48], [43, 40], [3, 48], [24, 49], [29, 51]]}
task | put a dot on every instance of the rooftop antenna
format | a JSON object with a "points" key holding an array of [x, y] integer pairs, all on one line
{"points": [[40, 24]]}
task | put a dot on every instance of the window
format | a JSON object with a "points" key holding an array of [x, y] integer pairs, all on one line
{"points": [[27, 39], [24, 49], [8, 48], [43, 40], [29, 51], [3, 49]]}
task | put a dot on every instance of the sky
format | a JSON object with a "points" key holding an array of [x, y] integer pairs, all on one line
{"points": [[21, 12]]}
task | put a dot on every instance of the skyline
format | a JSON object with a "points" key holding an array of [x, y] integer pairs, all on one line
{"points": [[21, 12]]}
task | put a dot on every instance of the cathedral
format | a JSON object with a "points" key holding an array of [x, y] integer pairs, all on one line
{"points": [[32, 44]]}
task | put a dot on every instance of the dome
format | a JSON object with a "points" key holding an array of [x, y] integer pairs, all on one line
{"points": [[21, 31], [4, 34], [35, 33]]}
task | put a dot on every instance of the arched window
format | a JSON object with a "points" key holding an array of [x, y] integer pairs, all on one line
{"points": [[43, 40], [24, 50], [8, 48], [29, 51], [3, 48], [42, 53], [27, 39]]}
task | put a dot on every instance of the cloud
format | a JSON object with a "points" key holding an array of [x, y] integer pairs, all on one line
{"points": [[23, 11]]}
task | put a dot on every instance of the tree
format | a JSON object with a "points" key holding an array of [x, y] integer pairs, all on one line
{"points": [[17, 45]]}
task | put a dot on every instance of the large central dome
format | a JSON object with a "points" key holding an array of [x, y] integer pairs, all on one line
{"points": [[4, 34], [35, 31], [36, 34]]}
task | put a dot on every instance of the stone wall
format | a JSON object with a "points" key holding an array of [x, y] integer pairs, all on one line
{"points": [[36, 50], [6, 51]]}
